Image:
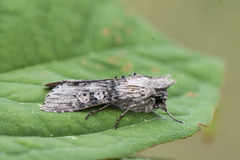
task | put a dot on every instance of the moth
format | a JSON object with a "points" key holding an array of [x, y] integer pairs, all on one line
{"points": [[137, 93]]}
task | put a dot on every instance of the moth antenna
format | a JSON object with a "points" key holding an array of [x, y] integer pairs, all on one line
{"points": [[165, 109]]}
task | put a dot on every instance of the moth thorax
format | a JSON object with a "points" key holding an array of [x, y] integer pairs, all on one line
{"points": [[140, 81]]}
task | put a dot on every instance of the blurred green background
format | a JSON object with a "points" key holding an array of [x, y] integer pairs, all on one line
{"points": [[212, 27]]}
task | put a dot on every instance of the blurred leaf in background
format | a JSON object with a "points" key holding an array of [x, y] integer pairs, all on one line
{"points": [[44, 41]]}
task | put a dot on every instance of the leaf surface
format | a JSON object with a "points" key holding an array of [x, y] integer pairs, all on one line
{"points": [[44, 41]]}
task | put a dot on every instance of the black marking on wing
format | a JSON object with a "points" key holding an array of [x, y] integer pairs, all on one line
{"points": [[74, 95]]}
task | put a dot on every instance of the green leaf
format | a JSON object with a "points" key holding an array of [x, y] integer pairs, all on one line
{"points": [[140, 158], [44, 41]]}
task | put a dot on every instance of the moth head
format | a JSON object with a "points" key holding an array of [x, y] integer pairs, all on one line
{"points": [[160, 85], [160, 99], [159, 105], [163, 82]]}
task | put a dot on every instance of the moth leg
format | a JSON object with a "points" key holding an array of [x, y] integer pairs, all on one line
{"points": [[89, 114], [165, 109], [119, 118]]}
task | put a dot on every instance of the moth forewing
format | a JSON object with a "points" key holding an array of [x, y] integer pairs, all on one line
{"points": [[75, 95], [136, 93]]}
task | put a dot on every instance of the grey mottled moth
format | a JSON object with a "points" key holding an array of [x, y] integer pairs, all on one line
{"points": [[137, 93]]}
